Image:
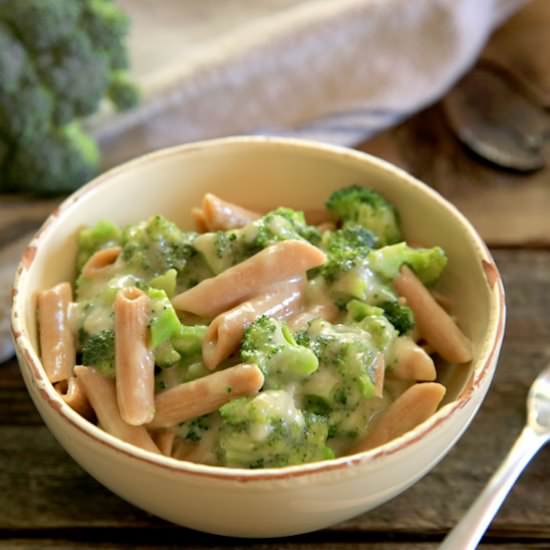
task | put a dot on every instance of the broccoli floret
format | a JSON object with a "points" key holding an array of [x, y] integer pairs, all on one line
{"points": [[269, 344], [399, 315], [224, 249], [346, 249], [156, 245], [103, 234], [346, 356], [427, 263], [58, 60], [270, 431], [53, 163], [98, 350], [368, 208]]}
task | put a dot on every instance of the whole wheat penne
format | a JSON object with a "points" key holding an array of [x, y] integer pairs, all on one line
{"points": [[101, 260], [410, 409], [205, 395], [134, 362], [279, 262], [164, 440], [222, 215], [101, 394], [410, 362], [434, 323], [226, 331], [56, 338], [199, 219], [72, 393], [379, 375], [327, 311], [182, 448]]}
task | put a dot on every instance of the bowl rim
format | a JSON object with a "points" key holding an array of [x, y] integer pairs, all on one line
{"points": [[28, 358]]}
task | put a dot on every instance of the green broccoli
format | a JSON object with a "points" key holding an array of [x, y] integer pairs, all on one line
{"points": [[269, 344], [223, 249], [156, 245], [368, 208], [400, 316], [58, 60], [98, 350], [270, 431], [427, 263], [91, 239], [346, 249]]}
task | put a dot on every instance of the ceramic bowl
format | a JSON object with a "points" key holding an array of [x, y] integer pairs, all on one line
{"points": [[262, 173]]}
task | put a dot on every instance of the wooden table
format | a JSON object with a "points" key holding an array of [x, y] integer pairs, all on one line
{"points": [[47, 500]]}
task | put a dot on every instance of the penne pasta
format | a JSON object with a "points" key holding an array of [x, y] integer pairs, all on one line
{"points": [[327, 311], [379, 375], [221, 215], [56, 338], [100, 261], [434, 323], [410, 362], [409, 410], [101, 394], [199, 219], [205, 395], [72, 393], [134, 362], [225, 332], [279, 262], [164, 440]]}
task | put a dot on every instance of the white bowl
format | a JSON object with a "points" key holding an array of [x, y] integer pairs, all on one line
{"points": [[262, 173]]}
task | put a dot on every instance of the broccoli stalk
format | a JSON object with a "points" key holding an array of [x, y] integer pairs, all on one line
{"points": [[363, 206], [58, 60], [269, 344]]}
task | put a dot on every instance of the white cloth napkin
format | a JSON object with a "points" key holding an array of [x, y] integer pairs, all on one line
{"points": [[332, 70]]}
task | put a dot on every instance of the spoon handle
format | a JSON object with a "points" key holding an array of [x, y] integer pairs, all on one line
{"points": [[469, 530]]}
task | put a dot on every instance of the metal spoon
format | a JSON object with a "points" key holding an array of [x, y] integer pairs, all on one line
{"points": [[536, 433], [492, 117]]}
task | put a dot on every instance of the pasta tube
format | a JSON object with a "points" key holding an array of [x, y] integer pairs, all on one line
{"points": [[164, 440], [434, 323], [279, 262], [226, 331], [134, 362], [100, 261], [72, 393], [222, 215], [411, 408], [101, 393], [410, 362], [205, 395], [56, 337], [327, 311]]}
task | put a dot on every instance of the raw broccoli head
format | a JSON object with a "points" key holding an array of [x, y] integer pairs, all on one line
{"points": [[270, 431], [368, 208], [98, 350], [269, 344], [427, 263], [58, 60], [52, 164]]}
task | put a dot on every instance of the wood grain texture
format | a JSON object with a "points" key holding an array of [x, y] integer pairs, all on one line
{"points": [[41, 488]]}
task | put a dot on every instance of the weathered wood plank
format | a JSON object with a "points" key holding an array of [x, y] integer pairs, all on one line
{"points": [[42, 488], [494, 200]]}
